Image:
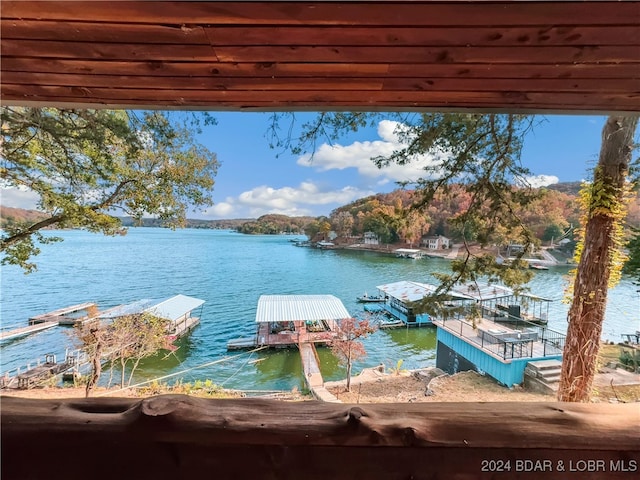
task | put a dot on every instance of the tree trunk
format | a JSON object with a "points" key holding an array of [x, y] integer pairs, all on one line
{"points": [[123, 364], [96, 369], [594, 268], [349, 361]]}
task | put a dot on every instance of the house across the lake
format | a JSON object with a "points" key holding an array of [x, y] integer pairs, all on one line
{"points": [[436, 242]]}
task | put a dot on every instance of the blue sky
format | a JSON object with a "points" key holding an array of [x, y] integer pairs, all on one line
{"points": [[254, 180], [251, 181]]}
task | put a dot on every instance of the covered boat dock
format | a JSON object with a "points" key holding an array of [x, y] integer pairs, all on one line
{"points": [[401, 297], [288, 320], [177, 310], [501, 304]]}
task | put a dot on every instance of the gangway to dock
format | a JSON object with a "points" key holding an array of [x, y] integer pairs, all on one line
{"points": [[19, 332], [312, 375]]}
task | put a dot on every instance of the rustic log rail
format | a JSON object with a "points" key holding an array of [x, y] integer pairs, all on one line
{"points": [[176, 436]]}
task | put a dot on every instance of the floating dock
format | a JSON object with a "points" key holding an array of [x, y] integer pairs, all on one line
{"points": [[65, 316], [19, 332], [33, 377]]}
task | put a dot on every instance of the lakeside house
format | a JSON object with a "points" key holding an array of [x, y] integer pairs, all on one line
{"points": [[371, 238], [435, 242]]}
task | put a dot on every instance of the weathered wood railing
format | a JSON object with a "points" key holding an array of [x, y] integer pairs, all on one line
{"points": [[175, 436]]}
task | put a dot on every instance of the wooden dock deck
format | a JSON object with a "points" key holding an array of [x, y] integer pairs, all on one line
{"points": [[19, 332], [41, 372], [60, 314]]}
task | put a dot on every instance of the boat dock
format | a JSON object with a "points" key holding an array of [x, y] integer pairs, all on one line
{"points": [[67, 315], [33, 377], [73, 315], [19, 332], [290, 320]]}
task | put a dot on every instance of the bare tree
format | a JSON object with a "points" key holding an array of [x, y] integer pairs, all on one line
{"points": [[127, 340]]}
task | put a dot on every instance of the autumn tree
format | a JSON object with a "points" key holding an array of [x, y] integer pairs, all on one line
{"points": [[632, 266], [342, 223], [347, 345], [599, 258], [86, 166]]}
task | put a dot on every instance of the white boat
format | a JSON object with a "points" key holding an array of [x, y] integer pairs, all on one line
{"points": [[409, 253]]}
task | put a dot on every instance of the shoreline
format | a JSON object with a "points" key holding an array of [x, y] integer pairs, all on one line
{"points": [[377, 385], [455, 252]]}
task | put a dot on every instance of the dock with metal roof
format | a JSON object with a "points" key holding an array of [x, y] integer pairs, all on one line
{"points": [[177, 309], [288, 320]]}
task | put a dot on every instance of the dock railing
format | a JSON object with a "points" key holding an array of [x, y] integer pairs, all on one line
{"points": [[518, 339]]}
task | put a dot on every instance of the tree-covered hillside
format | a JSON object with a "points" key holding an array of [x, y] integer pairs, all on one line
{"points": [[273, 224]]}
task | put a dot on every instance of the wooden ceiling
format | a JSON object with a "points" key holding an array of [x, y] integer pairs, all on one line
{"points": [[569, 56]]}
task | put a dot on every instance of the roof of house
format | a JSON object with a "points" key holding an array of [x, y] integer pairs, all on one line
{"points": [[283, 308]]}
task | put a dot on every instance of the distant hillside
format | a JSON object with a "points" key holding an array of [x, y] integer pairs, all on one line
{"points": [[570, 188], [17, 215], [273, 224], [231, 224], [9, 215]]}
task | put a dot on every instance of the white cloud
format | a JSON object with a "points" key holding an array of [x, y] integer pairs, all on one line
{"points": [[305, 199], [537, 181], [358, 155], [221, 210], [18, 197]]}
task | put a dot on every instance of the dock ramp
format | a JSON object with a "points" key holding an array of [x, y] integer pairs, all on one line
{"points": [[312, 375]]}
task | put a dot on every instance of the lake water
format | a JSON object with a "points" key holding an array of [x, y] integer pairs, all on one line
{"points": [[230, 271]]}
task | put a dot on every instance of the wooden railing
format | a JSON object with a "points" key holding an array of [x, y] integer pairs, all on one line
{"points": [[176, 436]]}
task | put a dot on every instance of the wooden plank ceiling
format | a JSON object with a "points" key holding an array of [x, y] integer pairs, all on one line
{"points": [[396, 55]]}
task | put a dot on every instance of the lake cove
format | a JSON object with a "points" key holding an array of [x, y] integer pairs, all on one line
{"points": [[230, 271]]}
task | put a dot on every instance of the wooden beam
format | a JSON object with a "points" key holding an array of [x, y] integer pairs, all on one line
{"points": [[247, 35], [177, 436], [301, 69], [550, 55], [368, 83], [372, 13]]}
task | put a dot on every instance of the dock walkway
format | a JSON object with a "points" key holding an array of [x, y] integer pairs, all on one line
{"points": [[18, 332], [312, 375], [60, 315]]}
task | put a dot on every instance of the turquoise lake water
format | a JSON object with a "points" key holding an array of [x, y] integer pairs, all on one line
{"points": [[230, 271]]}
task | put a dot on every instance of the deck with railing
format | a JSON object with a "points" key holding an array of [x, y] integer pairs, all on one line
{"points": [[506, 341]]}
